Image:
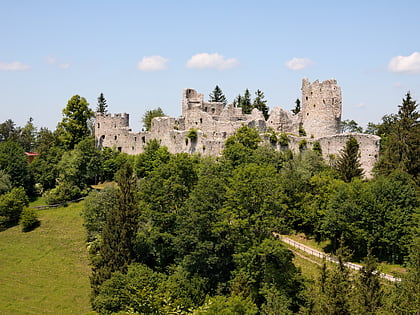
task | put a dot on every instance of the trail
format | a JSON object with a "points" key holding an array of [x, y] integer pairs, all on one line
{"points": [[327, 257]]}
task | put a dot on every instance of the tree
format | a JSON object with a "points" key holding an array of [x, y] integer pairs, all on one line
{"points": [[369, 294], [260, 103], [12, 204], [149, 115], [14, 162], [350, 126], [244, 102], [74, 127], [102, 105], [402, 149], [5, 183], [348, 164], [217, 96], [27, 136], [7, 130], [296, 110], [118, 236]]}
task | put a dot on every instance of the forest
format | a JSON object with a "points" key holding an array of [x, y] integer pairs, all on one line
{"points": [[189, 234]]}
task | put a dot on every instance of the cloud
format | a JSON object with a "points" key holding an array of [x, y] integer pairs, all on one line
{"points": [[53, 61], [296, 64], [211, 61], [407, 64], [152, 63], [13, 66]]}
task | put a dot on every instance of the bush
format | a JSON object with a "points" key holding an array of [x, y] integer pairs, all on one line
{"points": [[28, 219], [12, 204], [64, 191]]}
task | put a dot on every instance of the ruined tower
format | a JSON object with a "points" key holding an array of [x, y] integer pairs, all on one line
{"points": [[321, 108]]}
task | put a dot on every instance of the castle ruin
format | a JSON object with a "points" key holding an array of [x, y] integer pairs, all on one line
{"points": [[214, 122]]}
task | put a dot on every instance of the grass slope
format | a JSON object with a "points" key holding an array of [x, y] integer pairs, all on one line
{"points": [[45, 271]]}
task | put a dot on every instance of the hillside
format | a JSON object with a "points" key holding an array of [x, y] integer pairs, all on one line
{"points": [[45, 271]]}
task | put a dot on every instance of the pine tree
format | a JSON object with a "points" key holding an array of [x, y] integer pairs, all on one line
{"points": [[260, 103], [102, 105], [348, 164], [117, 249], [297, 107], [245, 102], [402, 149], [218, 96]]}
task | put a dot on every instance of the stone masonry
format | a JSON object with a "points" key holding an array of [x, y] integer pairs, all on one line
{"points": [[213, 122]]}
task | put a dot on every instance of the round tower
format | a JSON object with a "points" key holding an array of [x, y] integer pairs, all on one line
{"points": [[321, 108]]}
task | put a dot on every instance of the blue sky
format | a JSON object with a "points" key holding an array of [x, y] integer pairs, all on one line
{"points": [[142, 54]]}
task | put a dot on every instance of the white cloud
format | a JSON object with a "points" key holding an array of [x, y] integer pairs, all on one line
{"points": [[211, 61], [408, 64], [13, 66], [296, 64], [53, 61], [152, 63]]}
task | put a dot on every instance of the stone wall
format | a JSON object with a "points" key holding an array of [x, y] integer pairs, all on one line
{"points": [[214, 123]]}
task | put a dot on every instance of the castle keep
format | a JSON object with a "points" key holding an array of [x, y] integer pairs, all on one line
{"points": [[320, 117]]}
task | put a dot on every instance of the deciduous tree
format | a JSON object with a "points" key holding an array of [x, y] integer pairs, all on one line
{"points": [[74, 127]]}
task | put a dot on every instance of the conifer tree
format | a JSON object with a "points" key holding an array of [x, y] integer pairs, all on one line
{"points": [[297, 107], [348, 164], [260, 103], [102, 105], [245, 102], [217, 96], [402, 149], [117, 249]]}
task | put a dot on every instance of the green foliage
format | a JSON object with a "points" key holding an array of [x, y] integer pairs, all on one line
{"points": [[302, 132], [12, 204], [44, 167], [149, 115], [192, 134], [284, 140], [102, 105], [14, 162], [302, 145], [64, 191], [118, 236], [5, 183], [111, 161], [260, 103], [80, 166], [74, 127], [244, 102], [232, 305], [377, 215], [317, 147], [402, 148], [267, 268], [297, 108], [217, 96], [248, 137], [28, 219], [350, 126], [8, 131], [97, 206], [153, 156], [348, 164]]}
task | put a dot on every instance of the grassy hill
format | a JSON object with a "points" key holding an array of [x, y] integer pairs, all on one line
{"points": [[46, 271]]}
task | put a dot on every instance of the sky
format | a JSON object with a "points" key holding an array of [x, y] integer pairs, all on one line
{"points": [[142, 54]]}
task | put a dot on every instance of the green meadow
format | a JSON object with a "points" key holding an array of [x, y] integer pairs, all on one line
{"points": [[45, 271]]}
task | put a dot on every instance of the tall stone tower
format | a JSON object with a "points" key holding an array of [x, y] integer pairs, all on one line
{"points": [[321, 108]]}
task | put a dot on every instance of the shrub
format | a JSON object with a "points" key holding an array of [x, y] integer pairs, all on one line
{"points": [[64, 191], [28, 219], [192, 134], [12, 204]]}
